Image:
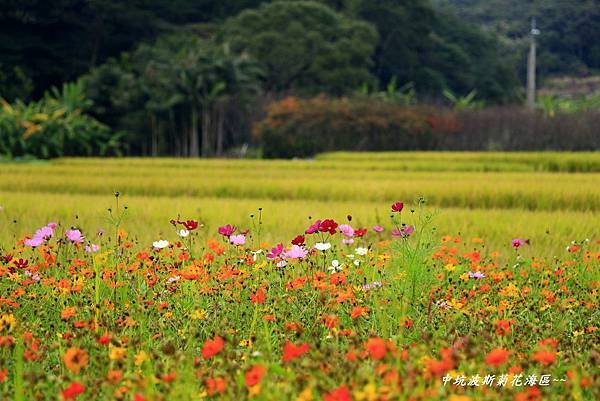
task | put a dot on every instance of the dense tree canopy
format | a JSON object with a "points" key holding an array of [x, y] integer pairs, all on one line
{"points": [[304, 46]]}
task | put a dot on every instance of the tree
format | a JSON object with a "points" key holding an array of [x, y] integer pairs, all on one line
{"points": [[304, 46]]}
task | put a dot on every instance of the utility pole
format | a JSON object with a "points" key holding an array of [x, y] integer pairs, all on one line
{"points": [[531, 66]]}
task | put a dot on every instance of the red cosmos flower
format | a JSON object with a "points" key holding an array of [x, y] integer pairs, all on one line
{"points": [[190, 225], [503, 326], [376, 348], [73, 391], [496, 357], [544, 357], [328, 225], [359, 232], [255, 375], [358, 311], [139, 397], [212, 347], [292, 351], [259, 297], [339, 394], [21, 263], [397, 207], [104, 340], [299, 240]]}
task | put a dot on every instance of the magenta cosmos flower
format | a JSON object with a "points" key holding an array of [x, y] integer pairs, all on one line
{"points": [[227, 230], [378, 229], [517, 242], [275, 252], [313, 228]]}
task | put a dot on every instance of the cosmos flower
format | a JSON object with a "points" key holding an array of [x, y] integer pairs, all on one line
{"points": [[74, 236], [183, 233], [313, 228], [476, 275], [347, 230], [292, 351], [41, 235], [74, 389], [397, 207], [322, 246], [75, 359], [239, 239], [212, 347], [378, 229], [496, 357], [160, 244], [296, 252], [227, 230], [276, 251], [92, 248], [361, 251]]}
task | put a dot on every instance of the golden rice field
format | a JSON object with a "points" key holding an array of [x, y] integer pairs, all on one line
{"points": [[550, 198]]}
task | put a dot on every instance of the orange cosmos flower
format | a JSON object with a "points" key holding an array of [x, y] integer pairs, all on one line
{"points": [[255, 375], [75, 359], [376, 348], [292, 351], [359, 311], [497, 357], [212, 347], [73, 391], [544, 357], [339, 394]]}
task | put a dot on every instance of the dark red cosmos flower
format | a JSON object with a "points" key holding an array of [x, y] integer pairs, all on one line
{"points": [[73, 391], [397, 207], [299, 240], [328, 226], [190, 225], [359, 232], [21, 263]]}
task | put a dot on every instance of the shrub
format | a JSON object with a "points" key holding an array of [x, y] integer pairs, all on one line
{"points": [[53, 126], [297, 127]]}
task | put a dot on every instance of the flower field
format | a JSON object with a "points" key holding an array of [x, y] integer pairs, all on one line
{"points": [[301, 280]]}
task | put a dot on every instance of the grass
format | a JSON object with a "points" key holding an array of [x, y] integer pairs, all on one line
{"points": [[493, 195]]}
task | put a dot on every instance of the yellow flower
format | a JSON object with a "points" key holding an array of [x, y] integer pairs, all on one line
{"points": [[198, 314], [459, 398], [455, 304], [254, 391], [117, 353], [140, 358], [8, 322], [305, 395], [260, 265], [368, 393], [464, 276], [510, 290], [450, 267]]}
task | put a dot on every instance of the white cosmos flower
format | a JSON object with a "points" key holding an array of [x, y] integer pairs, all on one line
{"points": [[335, 266], [322, 246], [361, 251], [160, 244], [281, 263], [183, 233], [357, 262]]}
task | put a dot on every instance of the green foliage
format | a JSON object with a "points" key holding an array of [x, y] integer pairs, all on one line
{"points": [[301, 128], [567, 44], [54, 126], [161, 92], [304, 46]]}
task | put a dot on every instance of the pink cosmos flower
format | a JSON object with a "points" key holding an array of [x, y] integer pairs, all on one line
{"points": [[347, 230], [92, 248], [296, 252], [378, 229], [227, 230], [348, 241], [403, 232], [41, 235], [313, 228], [74, 236], [476, 275], [239, 239], [275, 252], [517, 242]]}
